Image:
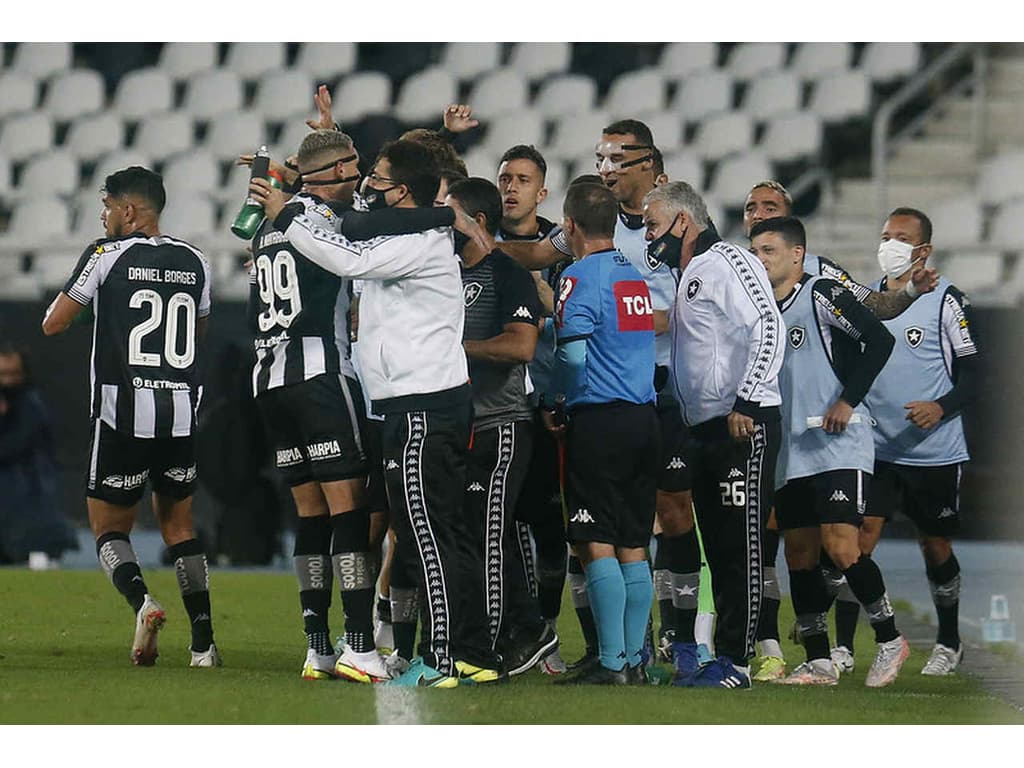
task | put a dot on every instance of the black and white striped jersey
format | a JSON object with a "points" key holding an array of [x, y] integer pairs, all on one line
{"points": [[298, 312], [148, 294]]}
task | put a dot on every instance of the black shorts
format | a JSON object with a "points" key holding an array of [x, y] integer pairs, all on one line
{"points": [[674, 475], [839, 496], [612, 455], [929, 496], [540, 497], [315, 429], [120, 465]]}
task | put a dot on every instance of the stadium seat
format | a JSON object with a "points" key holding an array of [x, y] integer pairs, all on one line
{"points": [[35, 222], [284, 94], [792, 136], [144, 92], [1001, 178], [480, 162], [115, 161], [364, 93], [465, 61], [566, 95], [685, 166], [252, 60], [73, 93], [958, 222], [86, 207], [576, 134], [539, 60], [556, 179], [717, 214], [41, 59], [637, 91], [1007, 231], [5, 176], [973, 272], [160, 136], [735, 174], [49, 173], [52, 268], [189, 217], [183, 60], [680, 60], [212, 92], [667, 129], [747, 60], [724, 134], [237, 133], [813, 60], [522, 127], [192, 172], [326, 61], [771, 94], [841, 96], [24, 135], [503, 90], [234, 190], [702, 94], [885, 62], [551, 208], [18, 93], [290, 139], [424, 96]]}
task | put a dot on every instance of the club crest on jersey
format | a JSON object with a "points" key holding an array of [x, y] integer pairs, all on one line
{"points": [[471, 292], [652, 262], [796, 337], [693, 288], [914, 336]]}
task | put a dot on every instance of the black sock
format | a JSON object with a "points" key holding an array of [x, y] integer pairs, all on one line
{"points": [[354, 571], [682, 560], [194, 584], [810, 604], [581, 602], [384, 609], [847, 614], [313, 569], [866, 582], [944, 581], [549, 537], [118, 560]]}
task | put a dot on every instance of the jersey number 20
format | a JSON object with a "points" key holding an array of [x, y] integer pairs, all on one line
{"points": [[278, 282], [175, 305]]}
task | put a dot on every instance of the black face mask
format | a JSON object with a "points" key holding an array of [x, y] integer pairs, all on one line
{"points": [[368, 198], [461, 241], [332, 182], [667, 249]]}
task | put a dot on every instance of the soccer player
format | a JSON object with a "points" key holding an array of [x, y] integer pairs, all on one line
{"points": [[836, 348], [916, 402], [150, 297], [411, 319], [727, 352], [605, 330], [502, 311]]}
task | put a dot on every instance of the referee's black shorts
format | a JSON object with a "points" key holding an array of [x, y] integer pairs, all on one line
{"points": [[612, 456]]}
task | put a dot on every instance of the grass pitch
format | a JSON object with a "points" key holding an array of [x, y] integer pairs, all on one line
{"points": [[64, 659]]}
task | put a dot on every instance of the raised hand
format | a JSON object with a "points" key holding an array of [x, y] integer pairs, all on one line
{"points": [[322, 100], [459, 118]]}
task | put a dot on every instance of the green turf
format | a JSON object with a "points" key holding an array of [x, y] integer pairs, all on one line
{"points": [[65, 637]]}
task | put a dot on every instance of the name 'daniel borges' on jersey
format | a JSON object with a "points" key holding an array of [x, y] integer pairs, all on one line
{"points": [[154, 275]]}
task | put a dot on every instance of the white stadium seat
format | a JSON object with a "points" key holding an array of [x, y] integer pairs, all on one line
{"points": [[50, 173], [238, 133], [1008, 226], [583, 164], [5, 175], [702, 94], [812, 60], [18, 93], [724, 134], [364, 93], [523, 127], [576, 134], [771, 94], [748, 60], [667, 129], [52, 268], [841, 96], [291, 137], [468, 60], [212, 92], [1001, 178], [189, 217], [539, 60], [685, 166], [41, 59], [284, 95], [425, 94], [503, 90], [192, 172], [734, 176], [885, 62], [636, 91], [160, 136], [183, 60], [792, 136], [556, 179], [86, 207], [73, 93], [24, 135], [480, 162], [327, 61], [251, 60], [958, 222], [144, 92], [115, 161], [973, 272], [566, 95], [679, 60], [36, 221]]}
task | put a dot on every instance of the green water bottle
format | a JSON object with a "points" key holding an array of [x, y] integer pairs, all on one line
{"points": [[251, 215]]}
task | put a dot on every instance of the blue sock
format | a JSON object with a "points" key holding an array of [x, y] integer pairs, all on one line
{"points": [[639, 594], [607, 594]]}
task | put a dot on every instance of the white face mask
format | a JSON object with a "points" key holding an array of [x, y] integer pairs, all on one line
{"points": [[895, 257]]}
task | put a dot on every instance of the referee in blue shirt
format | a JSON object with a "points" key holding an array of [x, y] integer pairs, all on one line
{"points": [[604, 368]]}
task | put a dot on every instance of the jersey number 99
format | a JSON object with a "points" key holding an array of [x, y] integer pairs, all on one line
{"points": [[278, 284]]}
